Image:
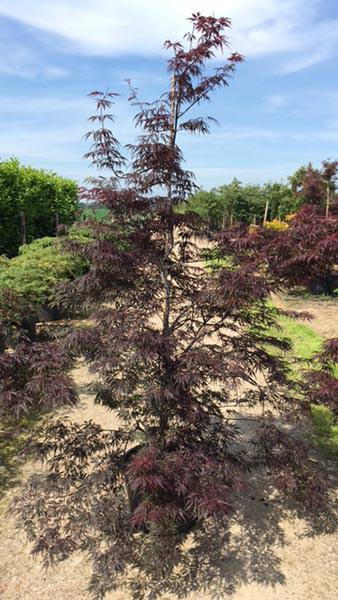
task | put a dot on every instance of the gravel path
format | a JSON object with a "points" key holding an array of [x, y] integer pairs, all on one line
{"points": [[273, 555]]}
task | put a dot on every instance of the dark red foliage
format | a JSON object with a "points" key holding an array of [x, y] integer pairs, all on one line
{"points": [[306, 251], [292, 471], [317, 186], [34, 377], [322, 389], [329, 353], [322, 383], [180, 353]]}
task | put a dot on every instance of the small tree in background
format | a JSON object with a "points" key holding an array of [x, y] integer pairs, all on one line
{"points": [[178, 352], [305, 253], [316, 186]]}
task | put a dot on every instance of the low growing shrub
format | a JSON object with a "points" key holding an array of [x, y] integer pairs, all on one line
{"points": [[39, 267]]}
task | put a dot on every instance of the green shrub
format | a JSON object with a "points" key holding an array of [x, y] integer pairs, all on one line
{"points": [[41, 199], [38, 268], [4, 262]]}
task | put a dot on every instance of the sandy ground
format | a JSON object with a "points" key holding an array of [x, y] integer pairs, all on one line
{"points": [[323, 311], [273, 554]]}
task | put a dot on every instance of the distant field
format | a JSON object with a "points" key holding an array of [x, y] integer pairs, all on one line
{"points": [[99, 214]]}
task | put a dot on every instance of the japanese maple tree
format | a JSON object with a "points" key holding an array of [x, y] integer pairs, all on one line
{"points": [[178, 353]]}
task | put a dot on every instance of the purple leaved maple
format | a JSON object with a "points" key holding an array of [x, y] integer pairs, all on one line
{"points": [[180, 353]]}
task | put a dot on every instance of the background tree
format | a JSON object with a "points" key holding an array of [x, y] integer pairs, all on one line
{"points": [[305, 252], [236, 202], [316, 186]]}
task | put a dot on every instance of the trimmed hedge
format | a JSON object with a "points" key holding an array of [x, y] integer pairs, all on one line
{"points": [[32, 203]]}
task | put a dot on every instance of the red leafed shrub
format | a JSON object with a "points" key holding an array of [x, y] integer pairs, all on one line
{"points": [[34, 377], [307, 250], [322, 381]]}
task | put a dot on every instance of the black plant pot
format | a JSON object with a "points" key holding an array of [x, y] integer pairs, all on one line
{"points": [[323, 285], [3, 342], [42, 314], [28, 324], [47, 313]]}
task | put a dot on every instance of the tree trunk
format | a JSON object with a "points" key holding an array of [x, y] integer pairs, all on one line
{"points": [[23, 227], [327, 201], [266, 213]]}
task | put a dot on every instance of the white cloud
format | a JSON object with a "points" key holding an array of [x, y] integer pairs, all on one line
{"points": [[22, 62], [55, 72], [313, 52], [17, 59], [329, 133], [20, 56], [40, 106], [118, 27], [47, 128], [248, 133], [59, 143]]}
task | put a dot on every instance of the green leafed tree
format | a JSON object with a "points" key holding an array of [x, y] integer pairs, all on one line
{"points": [[245, 203]]}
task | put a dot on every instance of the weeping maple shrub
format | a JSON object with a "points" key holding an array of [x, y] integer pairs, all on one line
{"points": [[323, 381], [178, 352]]}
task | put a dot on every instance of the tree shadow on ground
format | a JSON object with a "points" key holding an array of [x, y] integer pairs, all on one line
{"points": [[218, 558]]}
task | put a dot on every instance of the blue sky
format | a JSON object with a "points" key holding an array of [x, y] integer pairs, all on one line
{"points": [[280, 111]]}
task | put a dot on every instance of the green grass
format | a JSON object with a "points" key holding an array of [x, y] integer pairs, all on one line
{"points": [[325, 429], [98, 214], [213, 262], [216, 263], [305, 341]]}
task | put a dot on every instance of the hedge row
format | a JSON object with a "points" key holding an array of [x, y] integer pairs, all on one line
{"points": [[32, 203]]}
